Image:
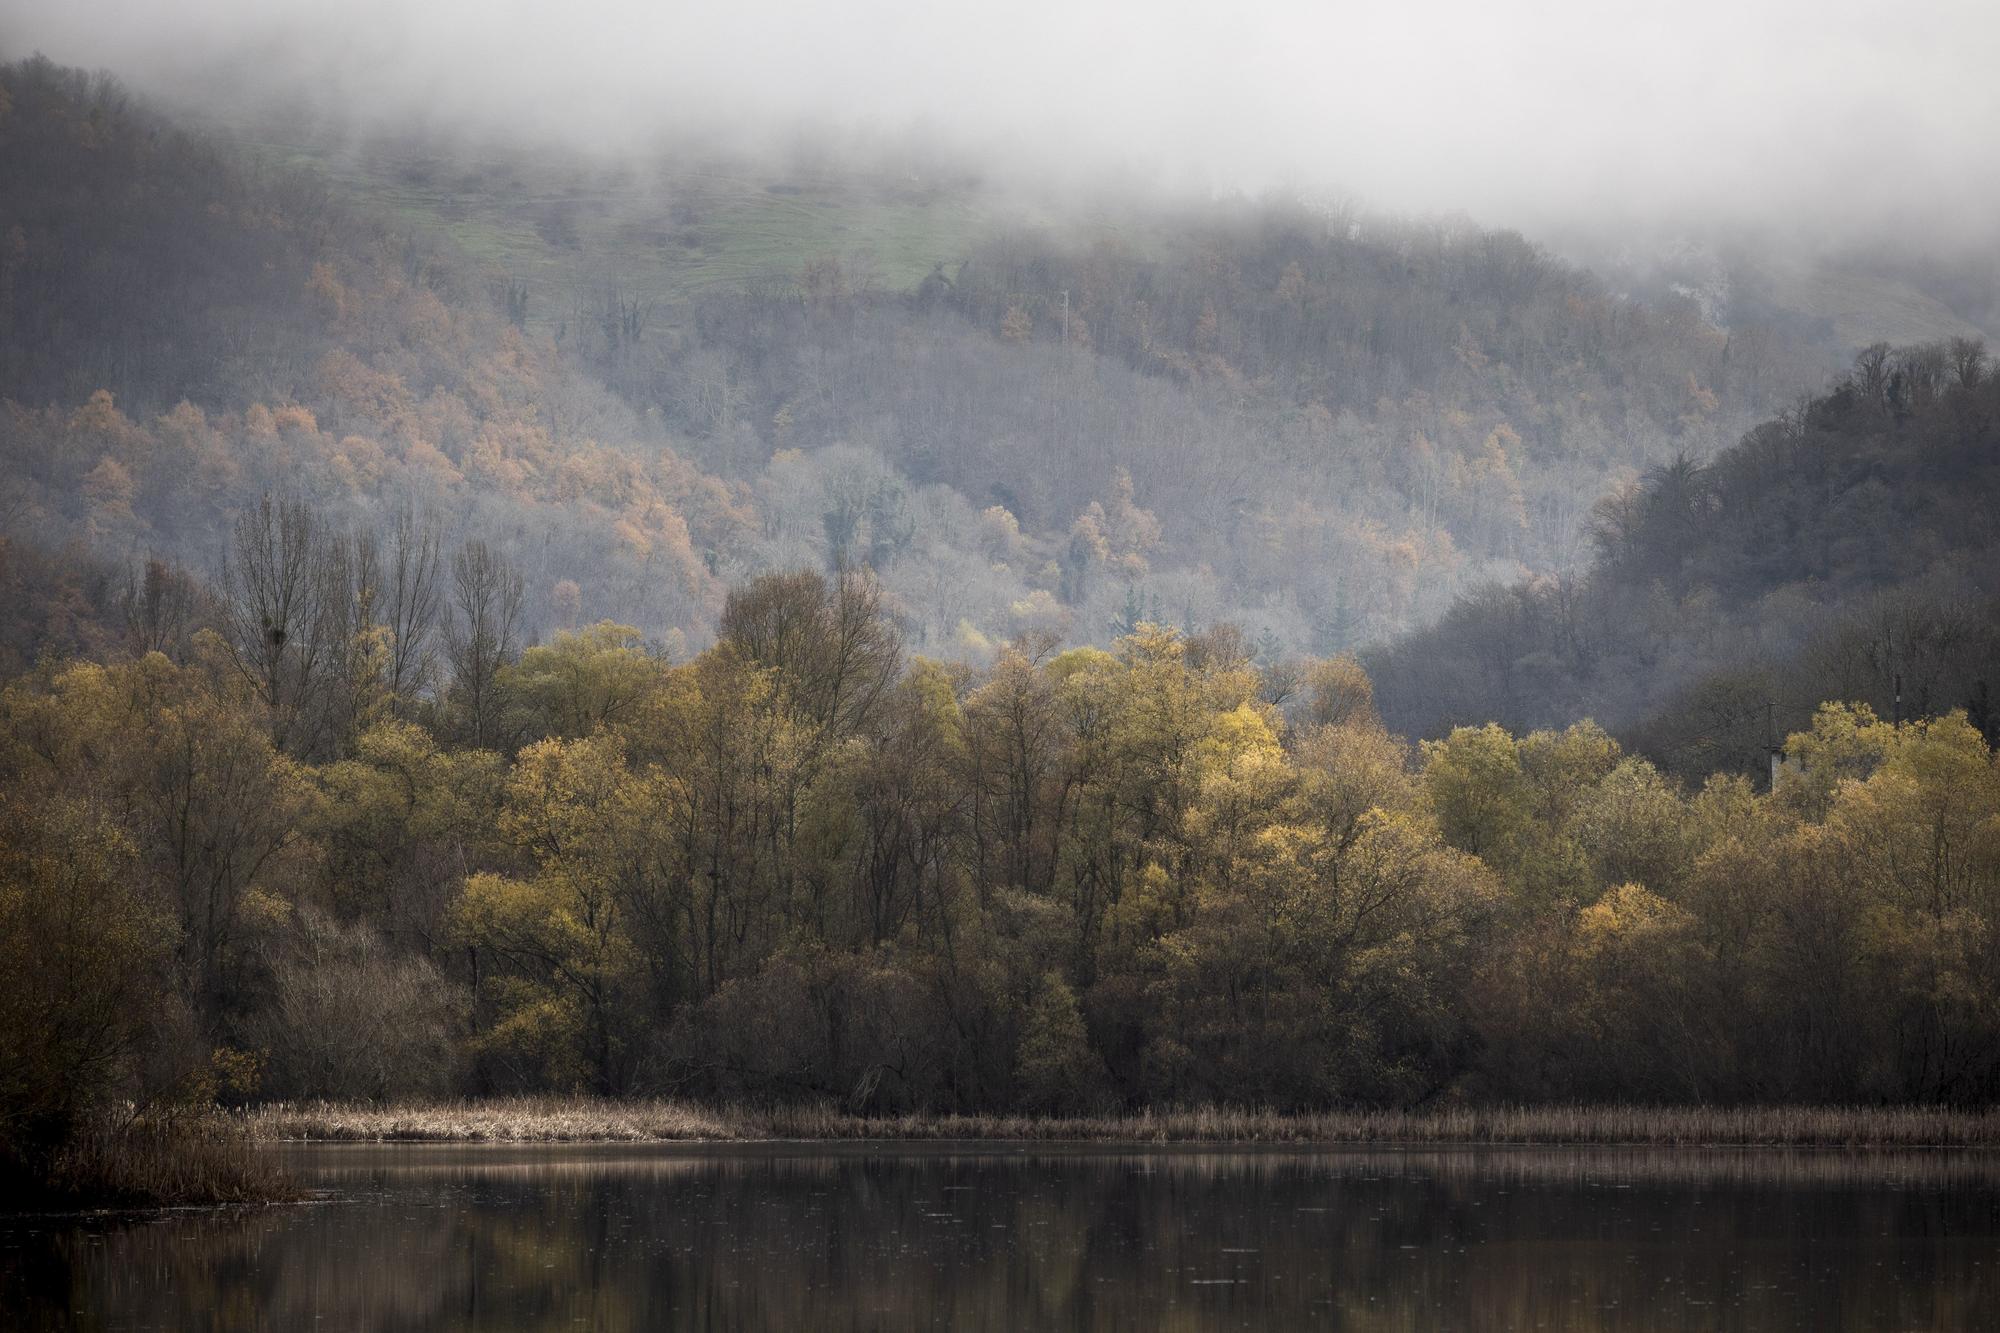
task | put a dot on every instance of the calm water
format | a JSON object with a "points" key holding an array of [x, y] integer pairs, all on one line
{"points": [[1005, 1238]]}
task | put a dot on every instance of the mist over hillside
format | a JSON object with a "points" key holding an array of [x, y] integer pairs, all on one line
{"points": [[1793, 113], [1313, 422], [1846, 550], [1028, 560], [645, 368]]}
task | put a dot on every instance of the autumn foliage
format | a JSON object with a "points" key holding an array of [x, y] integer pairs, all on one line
{"points": [[800, 867]]}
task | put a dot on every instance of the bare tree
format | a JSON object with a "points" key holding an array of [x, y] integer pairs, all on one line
{"points": [[285, 583], [162, 605], [1871, 371], [1968, 361], [412, 595], [355, 673], [1920, 373], [482, 637], [834, 649]]}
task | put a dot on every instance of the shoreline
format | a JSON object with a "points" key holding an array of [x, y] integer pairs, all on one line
{"points": [[556, 1121]]}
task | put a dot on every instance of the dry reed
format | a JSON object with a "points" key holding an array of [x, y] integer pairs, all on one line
{"points": [[579, 1120], [194, 1160]]}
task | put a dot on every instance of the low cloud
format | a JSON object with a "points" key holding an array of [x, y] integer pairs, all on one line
{"points": [[1830, 116]]}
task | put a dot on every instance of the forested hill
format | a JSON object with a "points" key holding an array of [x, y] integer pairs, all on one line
{"points": [[1848, 545], [691, 690], [182, 333], [642, 386]]}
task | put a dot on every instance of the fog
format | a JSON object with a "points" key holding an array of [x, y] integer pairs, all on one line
{"points": [[1826, 116], [888, 559]]}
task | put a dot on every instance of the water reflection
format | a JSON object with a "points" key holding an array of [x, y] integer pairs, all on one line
{"points": [[963, 1237]]}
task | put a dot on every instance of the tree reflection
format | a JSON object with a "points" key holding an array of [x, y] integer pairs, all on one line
{"points": [[631, 1239]]}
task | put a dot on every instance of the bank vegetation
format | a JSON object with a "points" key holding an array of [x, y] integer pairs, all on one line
{"points": [[569, 1120]]}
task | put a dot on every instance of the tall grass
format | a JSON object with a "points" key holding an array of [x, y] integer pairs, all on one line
{"points": [[156, 1161], [566, 1120]]}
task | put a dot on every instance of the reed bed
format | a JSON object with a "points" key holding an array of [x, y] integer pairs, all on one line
{"points": [[1565, 1165], [178, 1161], [579, 1120]]}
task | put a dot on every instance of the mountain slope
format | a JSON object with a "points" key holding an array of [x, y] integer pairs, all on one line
{"points": [[643, 385], [1835, 552]]}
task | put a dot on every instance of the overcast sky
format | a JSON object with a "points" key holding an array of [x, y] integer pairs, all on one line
{"points": [[1833, 113]]}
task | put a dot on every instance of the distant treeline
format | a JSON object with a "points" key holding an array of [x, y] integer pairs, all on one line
{"points": [[335, 832]]}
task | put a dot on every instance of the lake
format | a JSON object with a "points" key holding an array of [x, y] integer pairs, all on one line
{"points": [[1005, 1236]]}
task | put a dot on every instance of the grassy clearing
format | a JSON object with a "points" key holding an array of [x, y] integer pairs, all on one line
{"points": [[569, 226], [563, 1120], [1864, 307]]}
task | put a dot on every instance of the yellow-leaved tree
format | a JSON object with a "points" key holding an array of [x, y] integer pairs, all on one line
{"points": [[558, 964]]}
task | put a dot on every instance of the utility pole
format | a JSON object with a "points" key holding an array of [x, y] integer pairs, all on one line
{"points": [[1065, 319]]}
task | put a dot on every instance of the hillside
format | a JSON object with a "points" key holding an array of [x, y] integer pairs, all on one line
{"points": [[1825, 300], [836, 631], [641, 384], [1842, 550], [662, 229]]}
